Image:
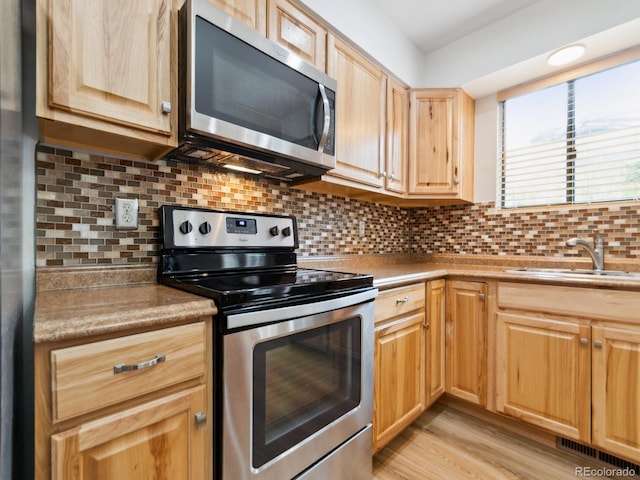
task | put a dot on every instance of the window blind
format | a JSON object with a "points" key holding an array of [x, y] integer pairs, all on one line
{"points": [[572, 143]]}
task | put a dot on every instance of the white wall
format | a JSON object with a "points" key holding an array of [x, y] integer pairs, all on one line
{"points": [[365, 24], [535, 30], [486, 154]]}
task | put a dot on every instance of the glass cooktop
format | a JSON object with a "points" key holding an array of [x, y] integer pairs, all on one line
{"points": [[251, 287]]}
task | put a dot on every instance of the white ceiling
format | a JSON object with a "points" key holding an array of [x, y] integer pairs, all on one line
{"points": [[431, 24]]}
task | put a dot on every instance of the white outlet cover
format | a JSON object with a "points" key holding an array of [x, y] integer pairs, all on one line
{"points": [[126, 213]]}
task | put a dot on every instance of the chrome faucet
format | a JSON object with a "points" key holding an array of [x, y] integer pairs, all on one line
{"points": [[596, 252]]}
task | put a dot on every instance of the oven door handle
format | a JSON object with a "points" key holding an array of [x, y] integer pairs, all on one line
{"points": [[247, 319]]}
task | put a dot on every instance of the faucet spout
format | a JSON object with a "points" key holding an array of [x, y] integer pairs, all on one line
{"points": [[596, 251]]}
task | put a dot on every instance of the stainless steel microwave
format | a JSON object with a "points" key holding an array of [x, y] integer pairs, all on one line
{"points": [[247, 103]]}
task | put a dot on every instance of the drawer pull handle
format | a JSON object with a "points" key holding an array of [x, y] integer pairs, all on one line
{"points": [[402, 300], [121, 367]]}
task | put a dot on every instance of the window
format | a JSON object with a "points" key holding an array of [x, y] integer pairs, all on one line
{"points": [[574, 142]]}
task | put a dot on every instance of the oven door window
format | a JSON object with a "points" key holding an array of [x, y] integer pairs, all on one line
{"points": [[303, 382]]}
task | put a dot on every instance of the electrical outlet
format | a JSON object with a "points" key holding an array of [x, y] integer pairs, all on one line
{"points": [[126, 212], [361, 228]]}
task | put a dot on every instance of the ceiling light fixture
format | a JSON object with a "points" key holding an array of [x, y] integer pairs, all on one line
{"points": [[566, 55], [239, 168]]}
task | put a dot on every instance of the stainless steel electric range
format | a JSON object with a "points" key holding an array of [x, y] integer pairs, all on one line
{"points": [[293, 347]]}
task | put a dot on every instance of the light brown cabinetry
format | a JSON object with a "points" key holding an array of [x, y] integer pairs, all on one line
{"points": [[252, 13], [616, 389], [466, 342], [397, 137], [441, 144], [567, 359], [544, 370], [94, 90], [292, 28], [137, 403], [435, 341], [360, 115], [398, 361]]}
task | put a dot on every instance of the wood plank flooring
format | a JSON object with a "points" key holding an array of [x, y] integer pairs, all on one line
{"points": [[448, 444]]}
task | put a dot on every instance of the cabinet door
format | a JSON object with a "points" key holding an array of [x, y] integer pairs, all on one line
{"points": [[398, 366], [435, 342], [466, 352], [616, 390], [160, 439], [397, 136], [111, 60], [360, 122], [293, 29], [252, 13], [543, 373], [441, 136]]}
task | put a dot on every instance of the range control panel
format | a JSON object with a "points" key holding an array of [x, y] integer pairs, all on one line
{"points": [[201, 228]]}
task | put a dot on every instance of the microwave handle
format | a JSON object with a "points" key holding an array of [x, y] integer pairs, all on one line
{"points": [[327, 118]]}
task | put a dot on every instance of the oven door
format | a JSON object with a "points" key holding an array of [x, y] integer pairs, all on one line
{"points": [[295, 391]]}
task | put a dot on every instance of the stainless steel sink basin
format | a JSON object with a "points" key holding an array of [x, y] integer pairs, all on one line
{"points": [[574, 272]]}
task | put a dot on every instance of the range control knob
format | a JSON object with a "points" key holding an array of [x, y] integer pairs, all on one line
{"points": [[186, 227], [205, 228], [274, 231], [286, 231]]}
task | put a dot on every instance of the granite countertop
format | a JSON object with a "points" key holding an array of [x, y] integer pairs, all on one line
{"points": [[85, 301], [396, 270], [82, 312]]}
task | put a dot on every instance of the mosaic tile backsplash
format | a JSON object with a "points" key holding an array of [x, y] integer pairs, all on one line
{"points": [[480, 229], [77, 191]]}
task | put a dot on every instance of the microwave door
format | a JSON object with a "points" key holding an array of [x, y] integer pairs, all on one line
{"points": [[241, 96]]}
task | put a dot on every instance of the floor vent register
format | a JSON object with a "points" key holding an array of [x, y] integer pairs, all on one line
{"points": [[610, 461]]}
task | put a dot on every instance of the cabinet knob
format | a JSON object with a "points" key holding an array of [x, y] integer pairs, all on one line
{"points": [[426, 325], [597, 344], [166, 107], [584, 341], [383, 175], [393, 176], [456, 181], [201, 419], [402, 300], [481, 296]]}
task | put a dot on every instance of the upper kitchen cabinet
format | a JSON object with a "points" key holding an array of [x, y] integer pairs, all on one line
{"points": [[106, 75], [360, 122], [252, 13], [441, 144], [397, 132], [292, 28]]}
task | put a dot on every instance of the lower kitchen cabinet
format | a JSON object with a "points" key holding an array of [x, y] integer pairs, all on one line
{"points": [[398, 361], [132, 406], [158, 439], [435, 341], [543, 372], [616, 389], [568, 360], [466, 341]]}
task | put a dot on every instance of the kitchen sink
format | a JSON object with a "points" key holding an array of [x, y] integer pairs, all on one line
{"points": [[574, 272]]}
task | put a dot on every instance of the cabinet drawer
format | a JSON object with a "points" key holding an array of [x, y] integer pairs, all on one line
{"points": [[595, 303], [95, 375], [398, 301]]}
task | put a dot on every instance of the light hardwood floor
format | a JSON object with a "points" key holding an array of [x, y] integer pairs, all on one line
{"points": [[448, 444]]}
